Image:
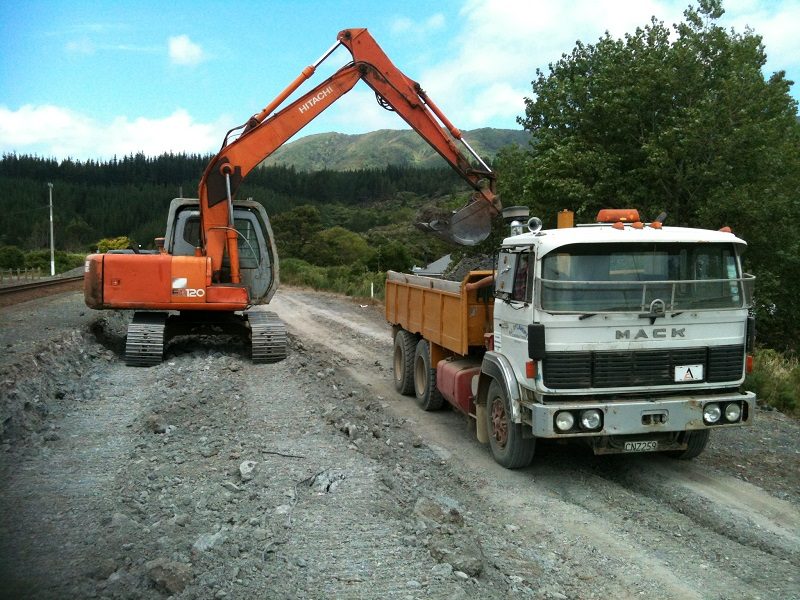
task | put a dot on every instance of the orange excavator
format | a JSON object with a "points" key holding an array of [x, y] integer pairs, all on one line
{"points": [[218, 258]]}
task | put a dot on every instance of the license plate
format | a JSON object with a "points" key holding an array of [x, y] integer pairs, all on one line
{"points": [[641, 446], [689, 373]]}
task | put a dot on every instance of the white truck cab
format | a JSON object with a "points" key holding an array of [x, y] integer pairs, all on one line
{"points": [[632, 335]]}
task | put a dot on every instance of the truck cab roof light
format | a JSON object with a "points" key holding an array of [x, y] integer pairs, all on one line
{"points": [[613, 215]]}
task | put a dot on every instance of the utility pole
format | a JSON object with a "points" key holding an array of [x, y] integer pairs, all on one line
{"points": [[52, 244]]}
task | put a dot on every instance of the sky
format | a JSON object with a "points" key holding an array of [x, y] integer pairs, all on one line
{"points": [[93, 79]]}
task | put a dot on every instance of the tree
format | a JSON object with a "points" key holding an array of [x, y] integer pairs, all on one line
{"points": [[295, 230], [338, 246], [40, 259], [681, 121], [77, 234], [390, 255], [11, 257], [118, 243]]}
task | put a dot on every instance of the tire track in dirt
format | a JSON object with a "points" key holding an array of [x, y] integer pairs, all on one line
{"points": [[728, 506]]}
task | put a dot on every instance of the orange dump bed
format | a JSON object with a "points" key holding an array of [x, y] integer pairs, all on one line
{"points": [[441, 311]]}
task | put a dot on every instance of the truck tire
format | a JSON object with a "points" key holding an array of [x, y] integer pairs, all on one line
{"points": [[404, 346], [695, 444], [428, 395], [509, 448]]}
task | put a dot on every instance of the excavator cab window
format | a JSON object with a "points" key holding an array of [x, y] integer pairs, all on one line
{"points": [[191, 232], [186, 233], [251, 240], [249, 249]]}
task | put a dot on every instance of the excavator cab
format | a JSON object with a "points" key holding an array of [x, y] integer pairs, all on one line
{"points": [[257, 252]]}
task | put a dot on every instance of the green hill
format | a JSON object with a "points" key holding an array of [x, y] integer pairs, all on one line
{"points": [[377, 149]]}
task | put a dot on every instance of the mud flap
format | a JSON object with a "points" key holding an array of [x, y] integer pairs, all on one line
{"points": [[481, 431]]}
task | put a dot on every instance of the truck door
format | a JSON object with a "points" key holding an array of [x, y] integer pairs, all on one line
{"points": [[514, 310]]}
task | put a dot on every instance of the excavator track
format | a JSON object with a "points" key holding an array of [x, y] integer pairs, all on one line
{"points": [[144, 345], [267, 337]]}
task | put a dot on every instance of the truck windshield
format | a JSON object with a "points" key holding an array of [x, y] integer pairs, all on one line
{"points": [[591, 278]]}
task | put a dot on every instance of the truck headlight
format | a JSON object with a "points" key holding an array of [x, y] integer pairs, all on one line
{"points": [[711, 413], [733, 412], [591, 419], [564, 421]]}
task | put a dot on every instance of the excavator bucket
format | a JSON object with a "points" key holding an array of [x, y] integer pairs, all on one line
{"points": [[467, 226]]}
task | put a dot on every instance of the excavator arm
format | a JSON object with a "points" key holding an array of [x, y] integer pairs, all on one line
{"points": [[265, 132]]}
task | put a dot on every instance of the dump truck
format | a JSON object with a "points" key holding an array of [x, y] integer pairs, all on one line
{"points": [[624, 335]]}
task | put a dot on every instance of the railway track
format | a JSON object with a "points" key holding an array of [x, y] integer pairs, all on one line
{"points": [[22, 292]]}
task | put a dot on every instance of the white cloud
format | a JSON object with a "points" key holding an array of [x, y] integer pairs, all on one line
{"points": [[53, 131], [434, 22], [357, 112], [87, 47], [401, 25], [501, 43], [80, 46], [404, 25], [775, 23], [183, 51], [479, 79]]}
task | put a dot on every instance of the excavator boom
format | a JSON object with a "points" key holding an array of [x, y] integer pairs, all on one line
{"points": [[268, 130]]}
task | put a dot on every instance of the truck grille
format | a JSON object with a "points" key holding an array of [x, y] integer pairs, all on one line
{"points": [[639, 367]]}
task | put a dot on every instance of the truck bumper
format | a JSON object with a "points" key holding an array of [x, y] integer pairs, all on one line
{"points": [[679, 413]]}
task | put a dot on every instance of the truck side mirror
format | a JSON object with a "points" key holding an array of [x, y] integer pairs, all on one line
{"points": [[536, 341], [504, 279], [751, 334]]}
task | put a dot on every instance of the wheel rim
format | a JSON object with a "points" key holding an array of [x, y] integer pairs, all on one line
{"points": [[398, 364], [420, 377], [499, 422]]}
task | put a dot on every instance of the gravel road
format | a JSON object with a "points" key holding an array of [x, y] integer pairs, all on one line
{"points": [[211, 477]]}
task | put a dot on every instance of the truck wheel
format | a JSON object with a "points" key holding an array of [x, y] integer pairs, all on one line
{"points": [[509, 447], [404, 346], [428, 396], [695, 444]]}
